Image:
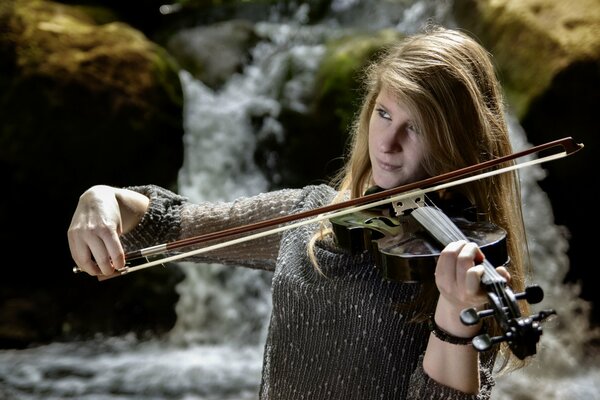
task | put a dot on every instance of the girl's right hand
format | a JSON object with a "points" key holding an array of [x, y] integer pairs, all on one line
{"points": [[94, 232], [103, 213]]}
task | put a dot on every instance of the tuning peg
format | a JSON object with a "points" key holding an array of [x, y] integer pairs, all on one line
{"points": [[533, 294], [484, 341], [471, 316]]}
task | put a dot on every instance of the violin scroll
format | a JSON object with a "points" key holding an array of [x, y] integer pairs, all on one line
{"points": [[522, 336], [521, 333]]}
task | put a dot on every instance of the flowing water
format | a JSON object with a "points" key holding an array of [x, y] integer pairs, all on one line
{"points": [[214, 352]]}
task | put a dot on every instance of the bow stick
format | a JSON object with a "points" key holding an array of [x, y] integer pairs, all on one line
{"points": [[443, 181]]}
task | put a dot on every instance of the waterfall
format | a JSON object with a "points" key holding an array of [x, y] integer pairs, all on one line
{"points": [[214, 352], [226, 303]]}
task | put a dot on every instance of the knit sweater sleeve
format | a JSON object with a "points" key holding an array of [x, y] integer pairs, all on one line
{"points": [[173, 217], [422, 387]]}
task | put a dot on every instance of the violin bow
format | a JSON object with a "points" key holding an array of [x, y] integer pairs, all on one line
{"points": [[460, 176]]}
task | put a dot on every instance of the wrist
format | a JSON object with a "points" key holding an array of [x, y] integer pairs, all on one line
{"points": [[447, 337], [132, 206], [447, 318]]}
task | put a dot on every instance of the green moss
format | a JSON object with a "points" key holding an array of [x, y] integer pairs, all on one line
{"points": [[532, 41], [100, 15], [168, 76]]}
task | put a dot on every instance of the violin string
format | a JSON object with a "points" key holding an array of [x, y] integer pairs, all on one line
{"points": [[438, 224]]}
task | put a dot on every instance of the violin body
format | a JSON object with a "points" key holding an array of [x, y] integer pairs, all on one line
{"points": [[403, 250]]}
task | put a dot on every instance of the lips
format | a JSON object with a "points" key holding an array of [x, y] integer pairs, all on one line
{"points": [[387, 166]]}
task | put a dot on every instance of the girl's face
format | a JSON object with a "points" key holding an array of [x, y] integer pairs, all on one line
{"points": [[395, 147]]}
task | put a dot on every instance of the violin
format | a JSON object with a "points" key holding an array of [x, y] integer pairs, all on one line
{"points": [[402, 249], [405, 241]]}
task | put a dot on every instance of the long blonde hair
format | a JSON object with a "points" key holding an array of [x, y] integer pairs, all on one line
{"points": [[448, 82]]}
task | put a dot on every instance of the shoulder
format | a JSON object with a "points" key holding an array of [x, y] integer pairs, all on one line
{"points": [[307, 197], [314, 196]]}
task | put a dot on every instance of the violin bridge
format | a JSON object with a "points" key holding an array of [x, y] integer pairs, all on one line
{"points": [[408, 204]]}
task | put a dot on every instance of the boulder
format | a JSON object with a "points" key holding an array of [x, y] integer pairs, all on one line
{"points": [[548, 56], [82, 102]]}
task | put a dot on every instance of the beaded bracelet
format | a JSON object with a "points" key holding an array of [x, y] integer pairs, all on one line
{"points": [[448, 338]]}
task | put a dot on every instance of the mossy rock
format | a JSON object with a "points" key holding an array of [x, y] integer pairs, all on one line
{"points": [[81, 103], [533, 41]]}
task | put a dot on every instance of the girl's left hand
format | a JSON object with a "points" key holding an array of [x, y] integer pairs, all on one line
{"points": [[458, 278]]}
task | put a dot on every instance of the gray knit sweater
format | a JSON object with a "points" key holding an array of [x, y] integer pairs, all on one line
{"points": [[344, 334]]}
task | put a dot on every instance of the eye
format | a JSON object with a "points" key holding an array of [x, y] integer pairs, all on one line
{"points": [[383, 114], [411, 128]]}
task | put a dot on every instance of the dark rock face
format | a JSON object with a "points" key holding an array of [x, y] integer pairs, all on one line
{"points": [[548, 54], [569, 108], [81, 104]]}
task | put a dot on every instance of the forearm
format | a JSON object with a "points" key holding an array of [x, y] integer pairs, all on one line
{"points": [[170, 217], [455, 366]]}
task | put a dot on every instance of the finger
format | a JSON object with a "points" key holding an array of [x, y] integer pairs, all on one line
{"points": [[445, 272], [115, 251], [504, 273], [100, 255], [467, 257], [91, 267], [85, 262], [473, 281], [465, 262], [81, 254]]}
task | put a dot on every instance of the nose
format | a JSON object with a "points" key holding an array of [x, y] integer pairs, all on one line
{"points": [[390, 140]]}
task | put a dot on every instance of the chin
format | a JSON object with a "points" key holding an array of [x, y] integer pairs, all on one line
{"points": [[387, 184], [390, 184]]}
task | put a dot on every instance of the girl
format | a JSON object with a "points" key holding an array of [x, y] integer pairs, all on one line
{"points": [[432, 105]]}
